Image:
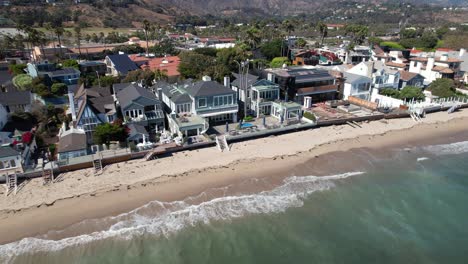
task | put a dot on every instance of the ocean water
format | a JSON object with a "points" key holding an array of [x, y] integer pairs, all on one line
{"points": [[410, 206]]}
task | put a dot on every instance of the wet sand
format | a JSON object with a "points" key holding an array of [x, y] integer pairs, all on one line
{"points": [[135, 183]]}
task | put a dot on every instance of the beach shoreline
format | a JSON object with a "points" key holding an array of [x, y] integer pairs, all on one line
{"points": [[54, 207]]}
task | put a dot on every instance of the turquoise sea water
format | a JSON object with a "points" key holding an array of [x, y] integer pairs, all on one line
{"points": [[411, 208]]}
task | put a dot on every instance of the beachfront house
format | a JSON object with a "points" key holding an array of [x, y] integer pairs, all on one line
{"points": [[357, 86], [410, 79], [263, 94], [180, 109], [90, 107], [72, 144], [213, 101], [10, 161], [296, 83], [140, 106], [433, 68], [286, 111], [382, 76]]}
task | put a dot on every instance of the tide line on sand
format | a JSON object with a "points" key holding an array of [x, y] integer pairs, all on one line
{"points": [[170, 217]]}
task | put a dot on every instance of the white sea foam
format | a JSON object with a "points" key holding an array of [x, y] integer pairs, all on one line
{"points": [[174, 216], [447, 149], [422, 159]]}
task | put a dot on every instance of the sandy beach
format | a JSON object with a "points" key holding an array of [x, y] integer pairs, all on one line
{"points": [[124, 186]]}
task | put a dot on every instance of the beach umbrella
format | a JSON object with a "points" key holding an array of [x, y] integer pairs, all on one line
{"points": [[227, 127]]}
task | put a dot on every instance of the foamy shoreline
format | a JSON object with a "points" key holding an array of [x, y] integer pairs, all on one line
{"points": [[125, 186]]}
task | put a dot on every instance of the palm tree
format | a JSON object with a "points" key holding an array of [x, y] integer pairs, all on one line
{"points": [[146, 28], [58, 30], [78, 38], [323, 29], [252, 37], [160, 75]]}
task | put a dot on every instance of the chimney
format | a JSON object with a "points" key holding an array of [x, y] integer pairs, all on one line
{"points": [[227, 81], [206, 78], [271, 77], [430, 64], [462, 52], [370, 69], [71, 102]]}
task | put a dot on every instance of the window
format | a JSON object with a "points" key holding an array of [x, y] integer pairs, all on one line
{"points": [[13, 163], [202, 102], [222, 100]]}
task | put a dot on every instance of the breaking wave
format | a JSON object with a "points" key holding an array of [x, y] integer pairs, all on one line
{"points": [[165, 218], [447, 149]]}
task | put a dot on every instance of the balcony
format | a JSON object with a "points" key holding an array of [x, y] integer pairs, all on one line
{"points": [[385, 85], [147, 116]]}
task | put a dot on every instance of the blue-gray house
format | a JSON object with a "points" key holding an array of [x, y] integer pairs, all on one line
{"points": [[51, 73]]}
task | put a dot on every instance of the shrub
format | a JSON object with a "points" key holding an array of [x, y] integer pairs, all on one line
{"points": [[58, 89], [278, 62], [310, 116], [390, 92], [442, 88], [411, 92], [248, 118], [23, 82]]}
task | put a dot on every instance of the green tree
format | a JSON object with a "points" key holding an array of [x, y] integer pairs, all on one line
{"points": [[357, 32], [278, 62], [193, 64], [107, 132], [271, 49], [252, 37], [160, 74], [323, 29], [16, 69], [410, 93], [145, 76], [390, 92], [442, 88], [41, 89], [146, 28], [23, 82], [300, 42], [58, 89], [71, 63], [78, 37], [105, 81]]}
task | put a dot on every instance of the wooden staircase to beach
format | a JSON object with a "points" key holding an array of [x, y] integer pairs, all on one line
{"points": [[11, 184], [97, 163], [47, 176], [222, 144]]}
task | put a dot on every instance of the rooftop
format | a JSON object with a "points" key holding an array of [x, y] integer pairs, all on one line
{"points": [[169, 64], [122, 63], [8, 152], [208, 88], [72, 140], [15, 98]]}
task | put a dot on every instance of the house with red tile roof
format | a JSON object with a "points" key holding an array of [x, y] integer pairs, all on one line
{"points": [[168, 64]]}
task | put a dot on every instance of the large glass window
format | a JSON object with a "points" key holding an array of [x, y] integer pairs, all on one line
{"points": [[202, 102], [222, 100]]}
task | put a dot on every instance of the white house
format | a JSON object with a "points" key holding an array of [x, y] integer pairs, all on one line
{"points": [[10, 161], [357, 86], [381, 75]]}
